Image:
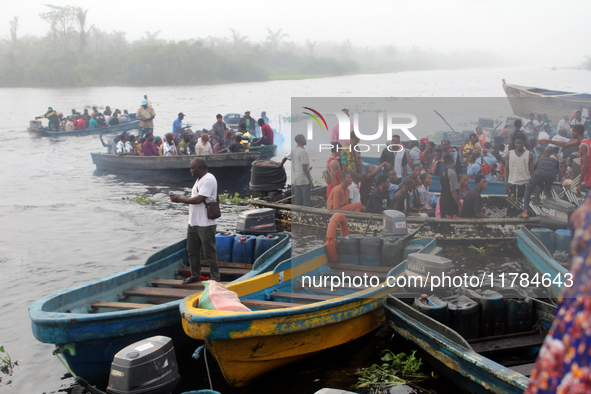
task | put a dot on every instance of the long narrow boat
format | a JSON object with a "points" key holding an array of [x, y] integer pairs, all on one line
{"points": [[234, 165], [102, 317], [541, 261], [291, 316], [287, 214], [554, 103], [265, 151], [468, 363], [45, 132]]}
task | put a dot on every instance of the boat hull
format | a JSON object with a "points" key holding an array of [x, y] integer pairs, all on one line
{"points": [[525, 100], [265, 151], [539, 259], [108, 130]]}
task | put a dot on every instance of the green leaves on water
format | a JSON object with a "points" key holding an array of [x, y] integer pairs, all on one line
{"points": [[234, 199], [6, 365], [395, 370], [140, 199]]}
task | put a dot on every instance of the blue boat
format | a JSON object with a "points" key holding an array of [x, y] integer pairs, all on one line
{"points": [[541, 260], [494, 187], [266, 151], [45, 132], [102, 317], [469, 364]]}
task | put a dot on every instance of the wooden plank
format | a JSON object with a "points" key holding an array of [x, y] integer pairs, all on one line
{"points": [[508, 344], [303, 296], [261, 304], [227, 271], [524, 369], [498, 337], [174, 294], [352, 267], [205, 263], [178, 283], [119, 305]]}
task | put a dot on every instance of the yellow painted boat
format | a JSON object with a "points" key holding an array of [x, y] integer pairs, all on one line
{"points": [[292, 317]]}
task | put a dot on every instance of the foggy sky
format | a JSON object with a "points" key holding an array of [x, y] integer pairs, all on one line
{"points": [[525, 32]]}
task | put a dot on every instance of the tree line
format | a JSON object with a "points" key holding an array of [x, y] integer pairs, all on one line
{"points": [[73, 54]]}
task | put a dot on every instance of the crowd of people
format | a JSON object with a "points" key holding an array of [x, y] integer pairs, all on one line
{"points": [[92, 119], [184, 141], [523, 157]]}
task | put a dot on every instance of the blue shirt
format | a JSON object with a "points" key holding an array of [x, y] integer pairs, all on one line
{"points": [[92, 124], [177, 123], [474, 169], [392, 189]]}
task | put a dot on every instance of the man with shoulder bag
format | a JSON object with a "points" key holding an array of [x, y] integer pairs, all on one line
{"points": [[204, 209]]}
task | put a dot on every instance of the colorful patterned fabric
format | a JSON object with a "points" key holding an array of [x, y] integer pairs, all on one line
{"points": [[564, 362], [351, 160]]}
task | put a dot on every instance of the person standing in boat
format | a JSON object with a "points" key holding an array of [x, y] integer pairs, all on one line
{"points": [[177, 126], [146, 115], [52, 116], [351, 157], [519, 165], [545, 172], [379, 200], [396, 157], [302, 179], [472, 207], [201, 229], [333, 166], [218, 129], [335, 133], [248, 121], [450, 205]]}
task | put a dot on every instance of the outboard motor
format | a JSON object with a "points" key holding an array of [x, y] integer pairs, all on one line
{"points": [[145, 367], [256, 221], [267, 178]]}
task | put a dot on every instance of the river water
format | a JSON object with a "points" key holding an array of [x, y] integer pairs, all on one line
{"points": [[62, 224]]}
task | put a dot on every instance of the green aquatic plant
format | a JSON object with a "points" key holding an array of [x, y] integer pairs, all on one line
{"points": [[234, 199], [482, 250], [141, 199], [6, 364], [395, 370]]}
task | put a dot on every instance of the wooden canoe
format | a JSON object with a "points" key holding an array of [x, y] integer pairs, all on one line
{"points": [[554, 103], [541, 261], [287, 214], [102, 317], [288, 321], [120, 128], [468, 363]]}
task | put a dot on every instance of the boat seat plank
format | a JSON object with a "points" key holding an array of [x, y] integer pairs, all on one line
{"points": [[178, 283], [303, 296], [262, 304], [119, 305], [223, 270], [352, 267], [221, 264], [507, 344], [158, 292], [524, 369]]}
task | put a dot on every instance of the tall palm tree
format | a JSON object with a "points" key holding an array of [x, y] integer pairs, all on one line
{"points": [[81, 16], [237, 38], [274, 39], [13, 30]]}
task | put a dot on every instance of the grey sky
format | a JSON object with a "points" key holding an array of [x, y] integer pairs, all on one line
{"points": [[523, 31]]}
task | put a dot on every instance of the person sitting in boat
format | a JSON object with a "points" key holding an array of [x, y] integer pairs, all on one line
{"points": [[428, 200], [124, 117], [149, 148], [354, 195], [184, 148], [137, 144], [220, 146], [437, 165], [93, 123], [394, 182], [531, 124], [114, 121], [69, 124], [124, 147], [577, 118], [480, 164], [79, 122], [169, 147], [379, 200], [368, 181], [52, 116], [472, 207], [414, 202], [203, 147], [450, 205], [266, 134], [339, 197], [237, 146], [429, 153], [400, 200], [470, 146], [333, 166], [464, 182], [482, 137]]}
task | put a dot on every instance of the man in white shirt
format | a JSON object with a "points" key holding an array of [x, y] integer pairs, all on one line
{"points": [[201, 230], [354, 194], [301, 178], [203, 147], [169, 148]]}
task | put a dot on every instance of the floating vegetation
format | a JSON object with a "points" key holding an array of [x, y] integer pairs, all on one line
{"points": [[97, 106], [482, 250], [396, 369], [234, 199], [6, 365], [140, 199]]}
